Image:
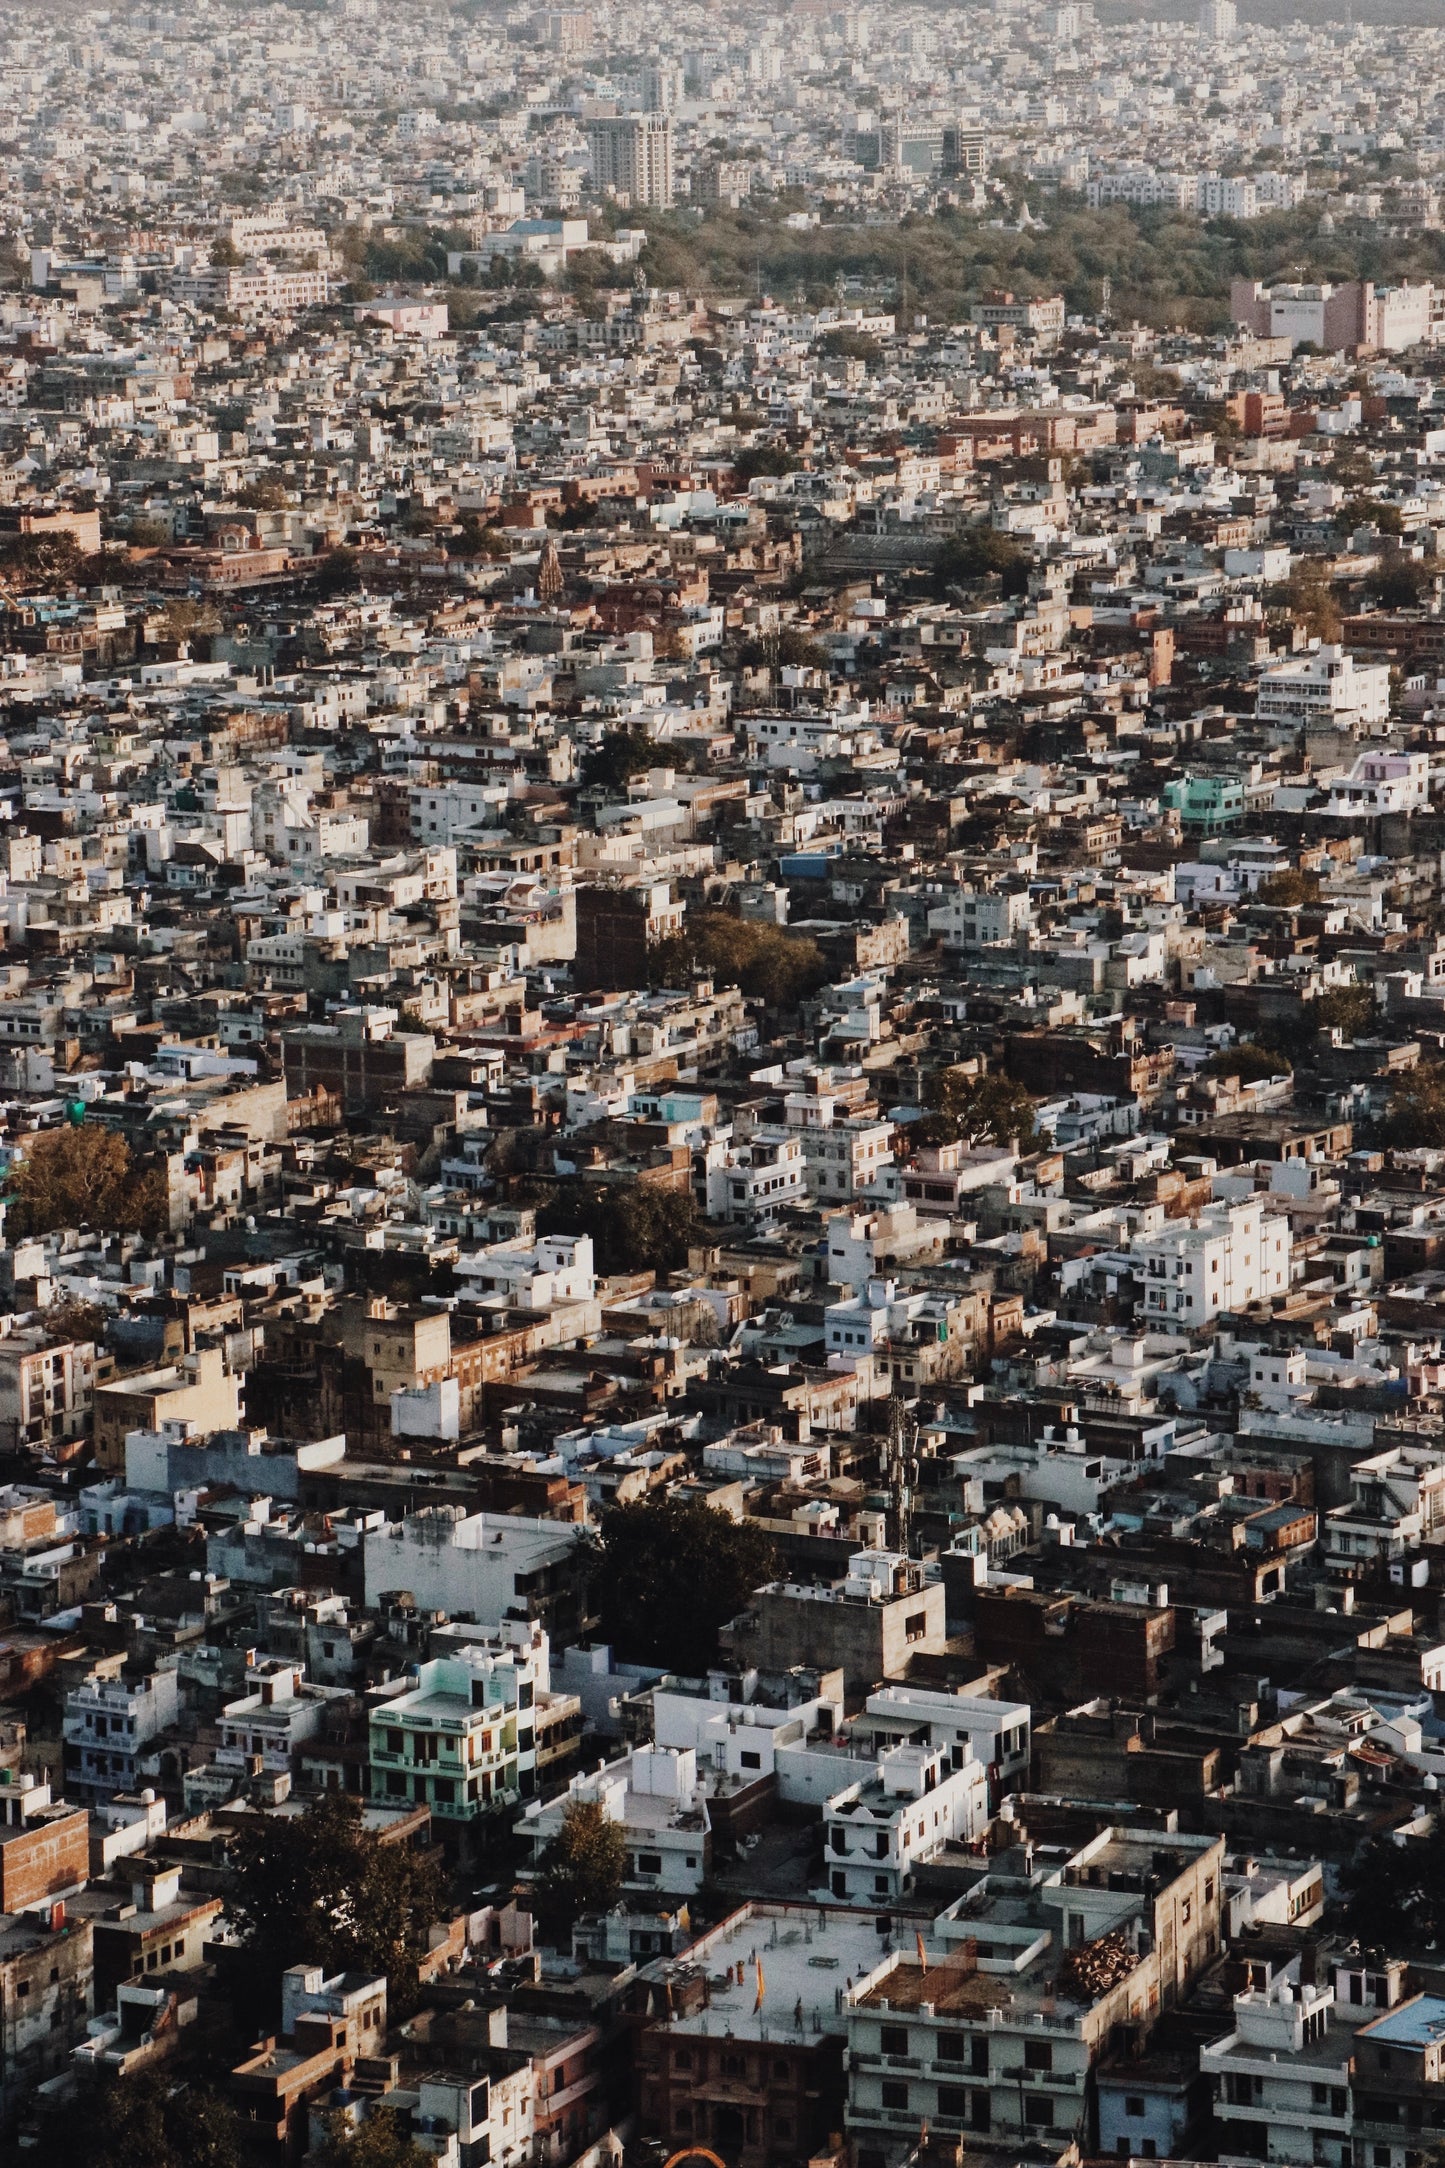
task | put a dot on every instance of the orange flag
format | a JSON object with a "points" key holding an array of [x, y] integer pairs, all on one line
{"points": [[922, 1953], [762, 1987]]}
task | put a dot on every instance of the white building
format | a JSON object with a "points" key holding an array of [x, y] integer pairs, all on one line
{"points": [[462, 1740], [1228, 1258], [632, 157], [981, 918], [1281, 2077], [477, 1565], [655, 1795], [1382, 783], [1325, 687], [752, 1183], [531, 1276], [108, 1725], [876, 1832], [998, 1734]]}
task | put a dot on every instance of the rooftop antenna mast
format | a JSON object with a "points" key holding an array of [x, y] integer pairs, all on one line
{"points": [[900, 1471]]}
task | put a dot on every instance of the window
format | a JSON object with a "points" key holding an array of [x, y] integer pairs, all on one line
{"points": [[1038, 2055], [953, 2104], [894, 2039], [895, 2093], [951, 2047], [750, 1760], [1134, 2105], [649, 1862]]}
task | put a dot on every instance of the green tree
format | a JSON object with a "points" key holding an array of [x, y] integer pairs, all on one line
{"points": [[380, 2140], [1402, 583], [582, 1869], [1369, 512], [152, 2120], [82, 1177], [635, 1227], [320, 1889], [1415, 1116], [1292, 886], [1404, 1883], [1251, 1063], [970, 1109], [39, 563], [1351, 1009], [267, 493], [977, 553], [621, 754], [336, 572], [669, 1573], [755, 462], [777, 968], [851, 346], [1310, 599]]}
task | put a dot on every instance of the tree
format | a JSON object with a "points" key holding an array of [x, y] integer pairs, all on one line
{"points": [[380, 2140], [39, 563], [634, 1226], [74, 1319], [147, 2121], [851, 346], [1310, 599], [1400, 1882], [777, 968], [621, 754], [669, 1573], [756, 462], [975, 554], [1415, 1116], [1250, 1062], [976, 1110], [82, 1177], [320, 1889], [791, 645], [336, 572], [1402, 584], [1351, 1009], [1292, 886], [583, 1868], [266, 494]]}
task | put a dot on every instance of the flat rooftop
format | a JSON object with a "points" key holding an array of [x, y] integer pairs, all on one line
{"points": [[809, 1960], [1417, 2024], [949, 1987]]}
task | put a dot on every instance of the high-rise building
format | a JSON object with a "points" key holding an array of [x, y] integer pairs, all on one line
{"points": [[1218, 20], [568, 30], [633, 157], [661, 86]]}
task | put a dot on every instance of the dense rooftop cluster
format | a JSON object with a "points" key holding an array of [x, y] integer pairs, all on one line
{"points": [[722, 1088]]}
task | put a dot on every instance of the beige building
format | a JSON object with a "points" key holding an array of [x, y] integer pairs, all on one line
{"points": [[870, 1626], [198, 1390], [46, 1388]]}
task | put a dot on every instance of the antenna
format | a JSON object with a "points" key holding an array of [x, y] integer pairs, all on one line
{"points": [[900, 1470]]}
